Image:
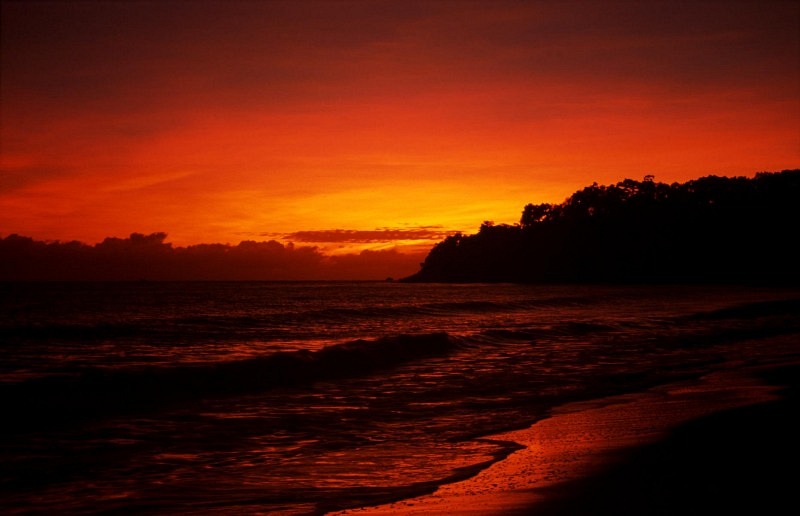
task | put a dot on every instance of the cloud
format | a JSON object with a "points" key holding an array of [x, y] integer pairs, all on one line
{"points": [[361, 236], [376, 264], [14, 178], [149, 257]]}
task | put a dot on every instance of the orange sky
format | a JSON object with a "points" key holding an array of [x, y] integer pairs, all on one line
{"points": [[353, 125]]}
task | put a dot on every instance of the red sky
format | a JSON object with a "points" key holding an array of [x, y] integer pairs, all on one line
{"points": [[374, 125]]}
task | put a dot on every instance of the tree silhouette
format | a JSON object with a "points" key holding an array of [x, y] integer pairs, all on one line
{"points": [[712, 229]]}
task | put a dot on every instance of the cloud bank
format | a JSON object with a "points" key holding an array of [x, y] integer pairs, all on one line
{"points": [[149, 257]]}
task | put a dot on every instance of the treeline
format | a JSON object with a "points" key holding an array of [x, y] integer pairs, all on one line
{"points": [[713, 229], [149, 257]]}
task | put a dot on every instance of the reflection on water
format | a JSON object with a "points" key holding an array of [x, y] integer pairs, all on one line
{"points": [[198, 398]]}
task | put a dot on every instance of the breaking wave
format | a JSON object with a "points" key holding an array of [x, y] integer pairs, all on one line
{"points": [[97, 391]]}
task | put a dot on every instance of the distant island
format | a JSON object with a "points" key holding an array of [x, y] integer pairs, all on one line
{"points": [[713, 229]]}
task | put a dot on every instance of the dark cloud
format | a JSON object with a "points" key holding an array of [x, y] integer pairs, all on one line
{"points": [[376, 264], [130, 55], [360, 236], [149, 257], [13, 178], [98, 54]]}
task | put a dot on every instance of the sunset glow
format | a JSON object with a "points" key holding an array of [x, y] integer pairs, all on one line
{"points": [[374, 125]]}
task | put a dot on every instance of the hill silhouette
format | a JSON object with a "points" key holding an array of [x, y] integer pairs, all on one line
{"points": [[712, 229]]}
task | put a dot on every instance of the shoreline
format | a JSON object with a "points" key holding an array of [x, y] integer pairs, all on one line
{"points": [[736, 461], [581, 445]]}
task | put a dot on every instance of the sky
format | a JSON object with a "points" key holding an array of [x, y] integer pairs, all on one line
{"points": [[378, 125]]}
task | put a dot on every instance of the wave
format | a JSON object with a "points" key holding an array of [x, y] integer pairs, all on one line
{"points": [[504, 306], [780, 307], [564, 329], [340, 314], [98, 391], [273, 324]]}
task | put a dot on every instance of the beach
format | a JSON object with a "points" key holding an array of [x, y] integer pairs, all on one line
{"points": [[706, 446]]}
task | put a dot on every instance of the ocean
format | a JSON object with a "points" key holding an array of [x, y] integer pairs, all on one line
{"points": [[302, 398]]}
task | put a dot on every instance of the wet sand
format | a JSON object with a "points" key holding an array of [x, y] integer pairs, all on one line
{"points": [[738, 461], [675, 449]]}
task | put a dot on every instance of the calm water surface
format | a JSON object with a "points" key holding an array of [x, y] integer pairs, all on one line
{"points": [[296, 398]]}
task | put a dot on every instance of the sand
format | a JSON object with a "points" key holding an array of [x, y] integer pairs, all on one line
{"points": [[619, 455]]}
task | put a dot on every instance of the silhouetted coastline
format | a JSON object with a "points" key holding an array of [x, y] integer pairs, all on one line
{"points": [[709, 230]]}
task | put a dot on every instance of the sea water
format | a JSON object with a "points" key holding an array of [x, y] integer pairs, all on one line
{"points": [[298, 398]]}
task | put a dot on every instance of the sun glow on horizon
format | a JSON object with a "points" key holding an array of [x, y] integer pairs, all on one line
{"points": [[289, 117]]}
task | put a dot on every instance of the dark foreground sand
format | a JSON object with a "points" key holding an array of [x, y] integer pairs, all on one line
{"points": [[738, 461], [726, 444]]}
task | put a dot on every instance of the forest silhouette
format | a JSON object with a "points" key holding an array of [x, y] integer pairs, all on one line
{"points": [[713, 229]]}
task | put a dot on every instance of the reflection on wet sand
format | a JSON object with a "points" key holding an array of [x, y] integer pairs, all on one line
{"points": [[579, 439]]}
